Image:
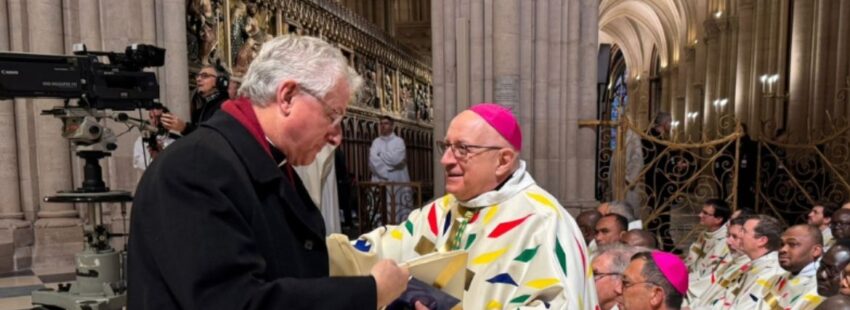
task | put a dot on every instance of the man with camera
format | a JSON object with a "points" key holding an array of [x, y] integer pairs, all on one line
{"points": [[212, 91], [150, 144], [221, 221]]}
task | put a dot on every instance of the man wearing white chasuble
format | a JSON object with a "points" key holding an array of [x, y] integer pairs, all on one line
{"points": [[524, 249]]}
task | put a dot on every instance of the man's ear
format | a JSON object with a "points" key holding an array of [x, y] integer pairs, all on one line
{"points": [[283, 95], [817, 251], [505, 161], [657, 297], [762, 241]]}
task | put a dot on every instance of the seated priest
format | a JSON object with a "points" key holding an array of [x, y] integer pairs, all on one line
{"points": [[524, 250]]}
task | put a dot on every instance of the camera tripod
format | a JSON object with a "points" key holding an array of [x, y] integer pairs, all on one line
{"points": [[100, 278]]}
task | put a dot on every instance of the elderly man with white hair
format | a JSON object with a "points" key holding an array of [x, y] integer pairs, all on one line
{"points": [[524, 249], [221, 221]]}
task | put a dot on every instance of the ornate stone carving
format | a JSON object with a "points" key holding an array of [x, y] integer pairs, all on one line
{"points": [[388, 68], [421, 102], [388, 87], [204, 18], [368, 96], [405, 97]]}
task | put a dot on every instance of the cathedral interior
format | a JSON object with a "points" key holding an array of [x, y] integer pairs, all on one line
{"points": [[757, 93]]}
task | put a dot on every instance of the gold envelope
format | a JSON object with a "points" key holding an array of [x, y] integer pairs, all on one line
{"points": [[443, 270]]}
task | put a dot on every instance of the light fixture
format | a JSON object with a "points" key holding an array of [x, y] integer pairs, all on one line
{"points": [[693, 115], [718, 14], [768, 82], [720, 102], [675, 124]]}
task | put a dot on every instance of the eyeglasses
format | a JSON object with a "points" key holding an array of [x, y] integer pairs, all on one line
{"points": [[462, 150], [204, 75], [838, 224], [627, 284], [334, 117], [599, 275]]}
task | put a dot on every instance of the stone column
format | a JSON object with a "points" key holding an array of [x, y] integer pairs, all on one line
{"points": [[58, 233], [839, 108], [585, 78], [692, 100], [801, 56], [15, 232], [10, 204], [715, 42], [537, 57], [171, 35], [746, 86]]}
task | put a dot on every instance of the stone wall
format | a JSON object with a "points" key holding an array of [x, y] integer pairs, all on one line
{"points": [[536, 57], [36, 160]]}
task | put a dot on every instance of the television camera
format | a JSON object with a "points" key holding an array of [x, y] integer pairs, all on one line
{"points": [[99, 83]]}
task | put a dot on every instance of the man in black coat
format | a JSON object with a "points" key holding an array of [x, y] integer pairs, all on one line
{"points": [[220, 219]]}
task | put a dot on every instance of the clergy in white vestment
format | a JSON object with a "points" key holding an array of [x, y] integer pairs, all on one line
{"points": [[761, 238], [524, 250], [710, 248], [319, 178], [388, 163], [797, 289], [724, 279]]}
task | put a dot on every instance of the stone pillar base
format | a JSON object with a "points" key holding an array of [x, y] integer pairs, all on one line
{"points": [[56, 242], [16, 240]]}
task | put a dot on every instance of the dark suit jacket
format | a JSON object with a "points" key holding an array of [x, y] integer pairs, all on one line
{"points": [[217, 225]]}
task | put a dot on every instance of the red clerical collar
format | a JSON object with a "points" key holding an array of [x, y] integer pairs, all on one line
{"points": [[241, 109]]}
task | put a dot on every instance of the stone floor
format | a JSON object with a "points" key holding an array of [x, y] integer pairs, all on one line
{"points": [[16, 287]]}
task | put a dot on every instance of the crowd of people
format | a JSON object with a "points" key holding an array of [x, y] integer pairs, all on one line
{"points": [[742, 260], [222, 220]]}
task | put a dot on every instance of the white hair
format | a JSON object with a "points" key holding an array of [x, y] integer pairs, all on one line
{"points": [[311, 62]]}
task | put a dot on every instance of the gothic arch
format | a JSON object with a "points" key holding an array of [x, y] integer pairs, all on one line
{"points": [[638, 26]]}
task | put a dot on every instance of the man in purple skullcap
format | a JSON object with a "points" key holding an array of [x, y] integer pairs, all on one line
{"points": [[524, 249], [655, 280]]}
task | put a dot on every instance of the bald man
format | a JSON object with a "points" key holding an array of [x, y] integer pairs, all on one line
{"points": [[524, 249]]}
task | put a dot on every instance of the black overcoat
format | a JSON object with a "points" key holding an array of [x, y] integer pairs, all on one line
{"points": [[216, 224]]}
